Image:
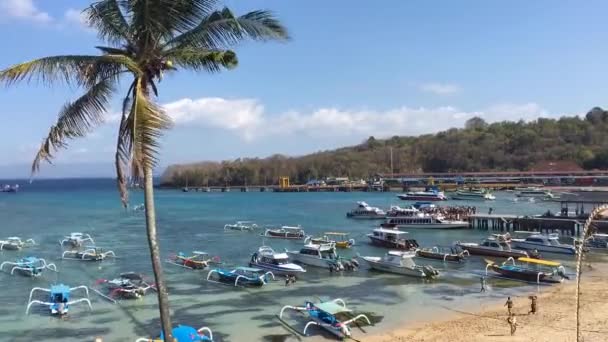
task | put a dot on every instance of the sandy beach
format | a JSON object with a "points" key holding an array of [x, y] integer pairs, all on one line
{"points": [[554, 321]]}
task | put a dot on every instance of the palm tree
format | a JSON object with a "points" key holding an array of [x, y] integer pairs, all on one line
{"points": [[143, 38]]}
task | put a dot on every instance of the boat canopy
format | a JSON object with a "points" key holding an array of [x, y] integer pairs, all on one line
{"points": [[389, 231], [336, 234], [331, 308], [540, 262]]}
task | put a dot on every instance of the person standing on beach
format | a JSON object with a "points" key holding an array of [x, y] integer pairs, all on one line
{"points": [[512, 320], [532, 305], [509, 305], [483, 284]]}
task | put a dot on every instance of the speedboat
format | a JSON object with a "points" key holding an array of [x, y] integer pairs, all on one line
{"points": [[285, 232], [426, 222], [492, 246], [365, 211], [267, 259], [340, 240], [535, 193], [392, 238], [597, 242], [536, 271], [323, 256], [429, 195], [397, 211], [400, 262], [473, 195], [543, 243], [441, 253], [241, 225]]}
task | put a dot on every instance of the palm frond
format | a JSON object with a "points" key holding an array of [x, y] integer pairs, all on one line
{"points": [[221, 29], [72, 69], [109, 21], [203, 60], [123, 147], [113, 51], [75, 120]]}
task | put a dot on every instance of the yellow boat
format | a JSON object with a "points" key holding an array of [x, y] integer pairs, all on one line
{"points": [[340, 240]]}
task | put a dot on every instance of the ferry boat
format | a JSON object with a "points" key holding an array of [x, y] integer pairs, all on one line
{"points": [[473, 195], [543, 243], [392, 238], [535, 193], [365, 211], [267, 259], [400, 262], [432, 195], [492, 247], [323, 256], [426, 222], [285, 232]]}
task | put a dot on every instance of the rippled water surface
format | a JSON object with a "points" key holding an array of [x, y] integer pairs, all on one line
{"points": [[47, 210]]}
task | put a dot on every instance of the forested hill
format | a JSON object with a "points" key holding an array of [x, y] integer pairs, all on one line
{"points": [[477, 147]]}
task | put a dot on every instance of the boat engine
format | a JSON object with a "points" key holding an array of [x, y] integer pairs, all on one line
{"points": [[430, 271]]}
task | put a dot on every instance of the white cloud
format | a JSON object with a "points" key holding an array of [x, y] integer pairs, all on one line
{"points": [[76, 17], [440, 88], [24, 10]]}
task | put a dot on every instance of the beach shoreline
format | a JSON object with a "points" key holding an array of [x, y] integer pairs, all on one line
{"points": [[554, 321]]}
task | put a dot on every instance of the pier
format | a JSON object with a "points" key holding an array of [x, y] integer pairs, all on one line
{"points": [[568, 226]]}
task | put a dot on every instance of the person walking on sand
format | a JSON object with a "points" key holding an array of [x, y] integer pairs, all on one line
{"points": [[532, 305], [512, 320], [483, 284], [509, 305]]}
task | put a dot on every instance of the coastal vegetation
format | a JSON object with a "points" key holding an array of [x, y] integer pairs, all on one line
{"points": [[479, 146], [145, 39]]}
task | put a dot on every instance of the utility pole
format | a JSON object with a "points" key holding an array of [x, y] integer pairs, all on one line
{"points": [[391, 161]]}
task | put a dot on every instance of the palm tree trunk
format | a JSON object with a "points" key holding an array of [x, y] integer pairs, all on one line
{"points": [[163, 296]]}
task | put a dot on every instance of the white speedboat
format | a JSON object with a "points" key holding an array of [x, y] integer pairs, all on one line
{"points": [[323, 255], [431, 195], [400, 263], [473, 195], [426, 222], [278, 263], [534, 193], [543, 243], [241, 225], [285, 232], [397, 211], [365, 211], [492, 246]]}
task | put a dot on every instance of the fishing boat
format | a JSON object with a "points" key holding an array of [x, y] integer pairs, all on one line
{"points": [[323, 256], [492, 246], [325, 315], [543, 243], [340, 240], [365, 211], [473, 195], [241, 276], [241, 225], [392, 238], [197, 261], [15, 243], [534, 270], [28, 266], [400, 262], [426, 222], [285, 232], [534, 193], [442, 253], [430, 194], [278, 263]]}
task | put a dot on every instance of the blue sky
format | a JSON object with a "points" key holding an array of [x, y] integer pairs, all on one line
{"points": [[352, 69]]}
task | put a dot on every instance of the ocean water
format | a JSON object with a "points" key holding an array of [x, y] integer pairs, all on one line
{"points": [[48, 210]]}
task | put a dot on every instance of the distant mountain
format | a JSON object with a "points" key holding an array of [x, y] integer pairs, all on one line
{"points": [[479, 146]]}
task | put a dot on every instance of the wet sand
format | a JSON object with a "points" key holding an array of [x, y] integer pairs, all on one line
{"points": [[554, 320]]}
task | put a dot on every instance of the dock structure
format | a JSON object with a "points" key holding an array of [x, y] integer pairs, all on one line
{"points": [[509, 223]]}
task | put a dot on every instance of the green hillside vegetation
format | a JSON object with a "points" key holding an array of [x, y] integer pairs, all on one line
{"points": [[478, 146]]}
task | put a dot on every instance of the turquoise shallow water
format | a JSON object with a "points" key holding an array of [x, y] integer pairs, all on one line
{"points": [[48, 210]]}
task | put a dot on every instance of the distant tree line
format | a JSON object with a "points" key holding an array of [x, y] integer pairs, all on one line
{"points": [[478, 146]]}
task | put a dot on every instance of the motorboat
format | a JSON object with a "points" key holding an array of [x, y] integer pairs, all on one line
{"points": [[431, 195], [365, 211], [473, 195], [492, 246], [597, 242], [529, 270], [278, 263], [397, 211], [340, 240], [426, 222], [392, 238], [543, 243], [285, 232], [400, 262], [241, 225], [442, 253], [535, 193], [323, 256]]}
